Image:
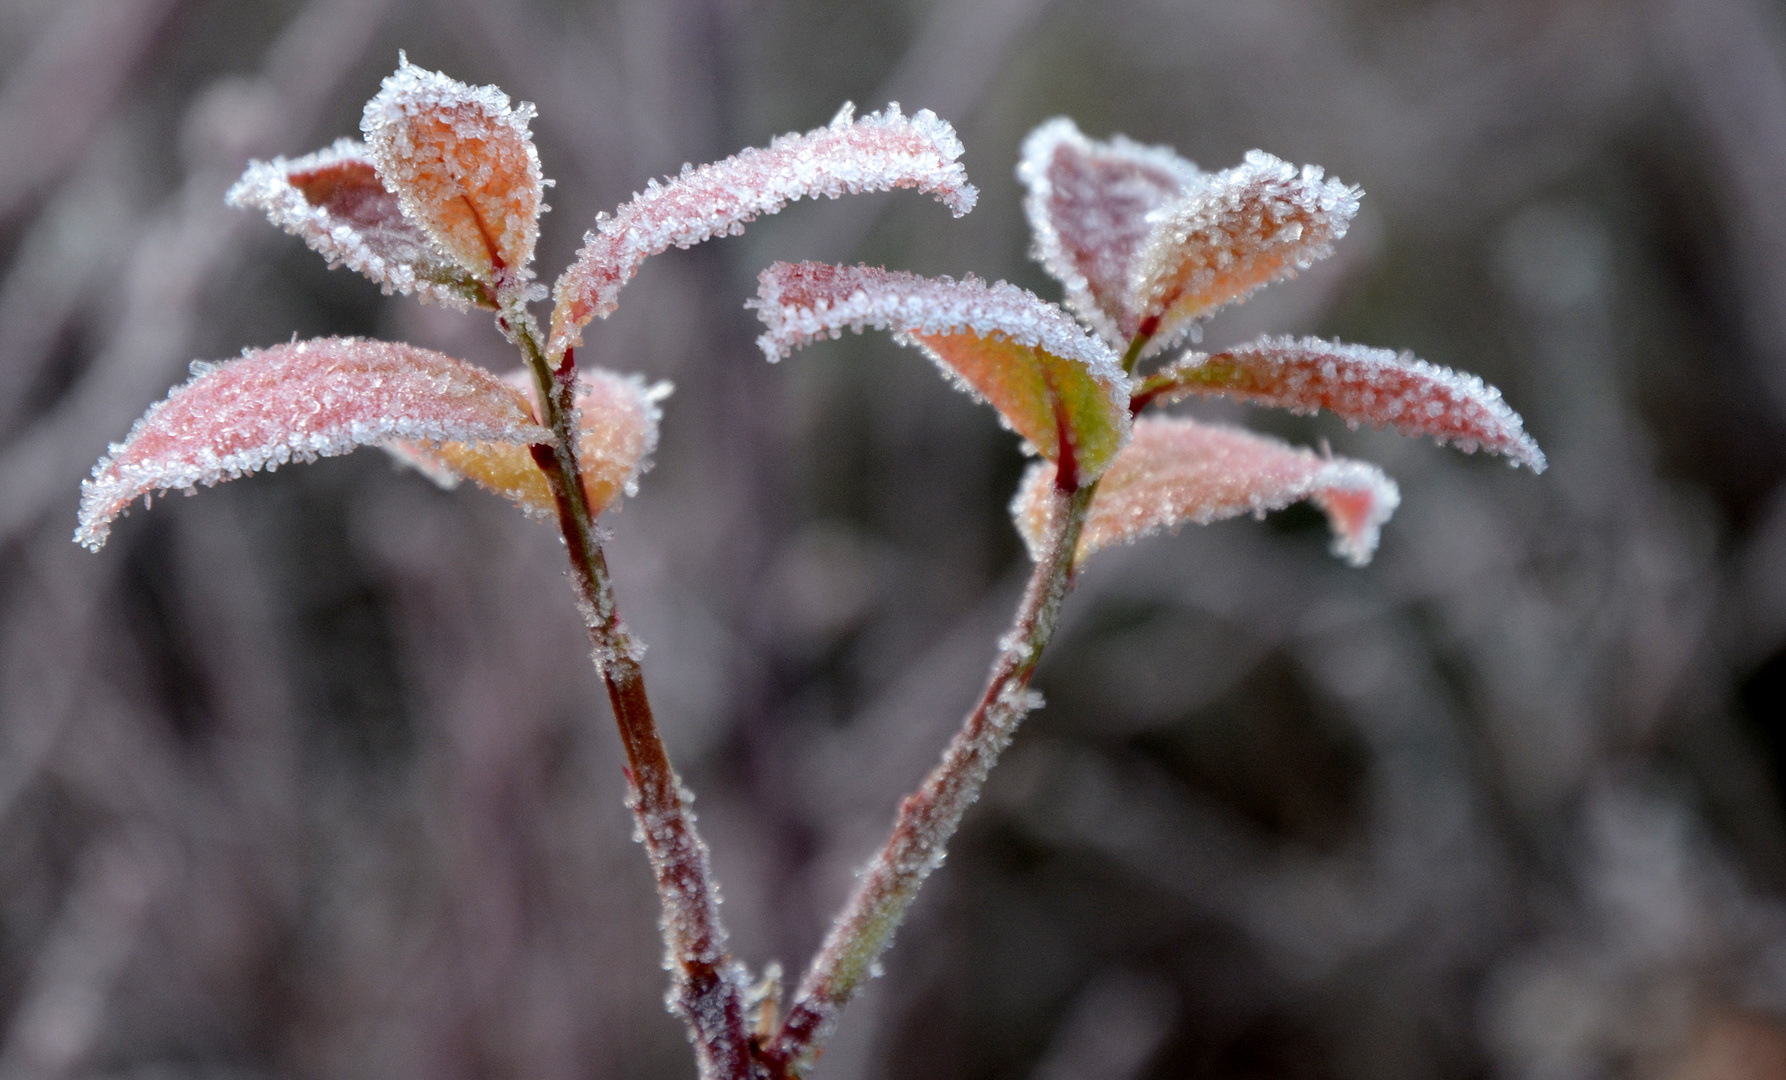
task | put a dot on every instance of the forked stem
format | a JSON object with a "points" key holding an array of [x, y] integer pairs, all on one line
{"points": [[928, 817], [707, 992]]}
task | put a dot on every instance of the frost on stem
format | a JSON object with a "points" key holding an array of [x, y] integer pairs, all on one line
{"points": [[464, 167], [1240, 229], [1061, 389], [334, 200], [617, 418], [1177, 471], [1089, 205], [298, 402], [878, 152], [1361, 385]]}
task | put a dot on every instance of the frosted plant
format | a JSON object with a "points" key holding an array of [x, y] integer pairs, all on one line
{"points": [[443, 199]]}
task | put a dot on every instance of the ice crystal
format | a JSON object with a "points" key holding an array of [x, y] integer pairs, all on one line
{"points": [[1176, 471], [335, 201], [1061, 389], [463, 164], [617, 418], [878, 152], [298, 402], [1089, 205], [1360, 384], [1240, 229]]}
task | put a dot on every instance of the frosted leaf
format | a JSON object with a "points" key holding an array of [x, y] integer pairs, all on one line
{"points": [[1088, 208], [617, 416], [298, 402], [878, 152], [1360, 384], [335, 201], [1243, 228], [1061, 389], [1177, 471], [463, 164]]}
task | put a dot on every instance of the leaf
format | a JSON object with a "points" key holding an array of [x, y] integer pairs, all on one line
{"points": [[1360, 384], [617, 416], [1088, 208], [1061, 389], [463, 165], [1177, 471], [335, 201], [298, 402], [1241, 229], [878, 152]]}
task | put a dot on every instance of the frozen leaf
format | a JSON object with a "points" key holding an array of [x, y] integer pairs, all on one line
{"points": [[1241, 229], [1088, 209], [298, 402], [1061, 389], [617, 416], [1360, 384], [463, 165], [335, 201], [1176, 471], [878, 152]]}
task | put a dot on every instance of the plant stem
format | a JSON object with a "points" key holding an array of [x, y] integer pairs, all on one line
{"points": [[928, 817], [707, 994]]}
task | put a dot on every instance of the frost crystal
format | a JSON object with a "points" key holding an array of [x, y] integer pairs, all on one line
{"points": [[617, 416], [1061, 389], [463, 164], [335, 201], [1240, 229], [1089, 205], [1360, 384], [298, 402], [1176, 471], [878, 152]]}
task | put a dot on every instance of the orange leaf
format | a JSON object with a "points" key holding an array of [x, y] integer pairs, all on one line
{"points": [[298, 402], [1176, 471], [463, 165]]}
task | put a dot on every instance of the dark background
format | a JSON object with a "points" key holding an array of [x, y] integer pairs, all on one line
{"points": [[310, 776]]}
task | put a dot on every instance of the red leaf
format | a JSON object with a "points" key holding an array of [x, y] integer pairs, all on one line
{"points": [[298, 402], [1176, 471], [879, 152], [1360, 384]]}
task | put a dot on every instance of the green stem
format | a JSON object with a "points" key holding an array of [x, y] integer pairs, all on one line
{"points": [[1133, 355]]}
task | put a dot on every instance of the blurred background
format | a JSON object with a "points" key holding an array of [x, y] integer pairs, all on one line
{"points": [[311, 776]]}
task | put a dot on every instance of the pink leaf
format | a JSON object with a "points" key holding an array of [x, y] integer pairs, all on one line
{"points": [[463, 164], [335, 201], [1088, 208], [879, 152], [1239, 230], [1360, 384], [298, 402], [1061, 389], [1177, 471], [617, 416]]}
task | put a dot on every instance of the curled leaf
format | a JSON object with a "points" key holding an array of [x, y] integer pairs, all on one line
{"points": [[1089, 205], [1061, 389], [1176, 471], [1361, 385], [464, 167], [878, 152], [298, 402], [617, 416], [335, 201], [1242, 228]]}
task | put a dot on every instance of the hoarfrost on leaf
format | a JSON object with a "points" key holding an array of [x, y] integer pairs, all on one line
{"points": [[1176, 471], [298, 402], [334, 200], [1061, 389], [878, 152], [1359, 384]]}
